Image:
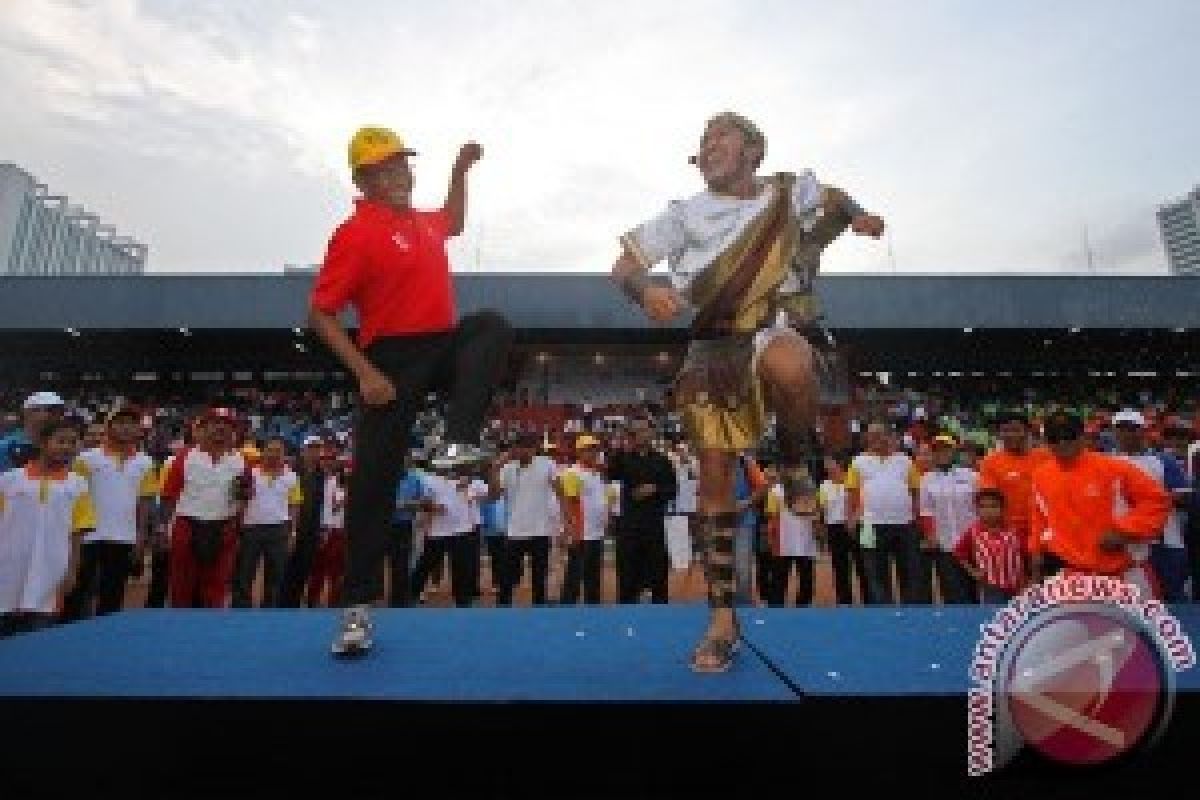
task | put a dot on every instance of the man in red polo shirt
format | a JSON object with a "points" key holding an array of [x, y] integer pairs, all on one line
{"points": [[388, 262]]}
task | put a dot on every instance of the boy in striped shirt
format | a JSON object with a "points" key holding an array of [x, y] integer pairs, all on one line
{"points": [[992, 551]]}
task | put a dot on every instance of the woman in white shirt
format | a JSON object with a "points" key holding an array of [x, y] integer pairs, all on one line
{"points": [[845, 554]]}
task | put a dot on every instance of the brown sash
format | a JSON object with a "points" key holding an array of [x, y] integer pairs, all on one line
{"points": [[717, 313]]}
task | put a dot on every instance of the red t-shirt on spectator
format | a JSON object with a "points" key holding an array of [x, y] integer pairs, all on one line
{"points": [[391, 267]]}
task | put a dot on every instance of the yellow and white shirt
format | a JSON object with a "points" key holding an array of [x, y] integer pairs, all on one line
{"points": [[273, 496], [595, 497], [116, 482], [38, 515], [885, 485]]}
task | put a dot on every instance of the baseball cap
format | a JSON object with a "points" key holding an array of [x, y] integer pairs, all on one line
{"points": [[945, 440], [586, 441], [313, 441], [43, 400], [371, 144], [1128, 416]]}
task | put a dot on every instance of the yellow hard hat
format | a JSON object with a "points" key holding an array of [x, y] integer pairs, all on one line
{"points": [[370, 145]]}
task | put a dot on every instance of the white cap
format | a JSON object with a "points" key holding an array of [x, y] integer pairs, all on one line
{"points": [[309, 441], [43, 400], [1128, 416]]}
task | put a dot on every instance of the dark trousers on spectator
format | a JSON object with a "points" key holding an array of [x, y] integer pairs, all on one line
{"points": [[329, 569], [160, 565], [585, 560], [901, 545], [642, 563], [781, 572], [538, 550], [195, 583], [846, 557], [268, 544], [764, 574], [956, 585], [299, 568], [458, 548], [1171, 566], [399, 557], [466, 362], [475, 548], [104, 569], [497, 560], [993, 595]]}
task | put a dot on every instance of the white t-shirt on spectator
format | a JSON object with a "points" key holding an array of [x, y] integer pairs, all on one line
{"points": [[529, 492], [885, 486], [949, 498], [688, 483], [832, 497], [795, 532], [456, 515]]}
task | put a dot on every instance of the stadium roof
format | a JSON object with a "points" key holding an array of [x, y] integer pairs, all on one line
{"points": [[583, 301]]}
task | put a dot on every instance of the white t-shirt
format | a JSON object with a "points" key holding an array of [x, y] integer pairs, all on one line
{"points": [[116, 483], [529, 492], [333, 507], [885, 485], [37, 519], [460, 502], [795, 532], [273, 496], [949, 498], [832, 497], [207, 488], [687, 482], [477, 492], [691, 233]]}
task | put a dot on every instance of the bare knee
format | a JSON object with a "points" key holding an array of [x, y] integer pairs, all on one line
{"points": [[787, 363]]}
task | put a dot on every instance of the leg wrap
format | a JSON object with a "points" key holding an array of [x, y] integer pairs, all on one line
{"points": [[714, 533]]}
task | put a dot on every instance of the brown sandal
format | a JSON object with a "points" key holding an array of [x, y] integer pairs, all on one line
{"points": [[723, 650]]}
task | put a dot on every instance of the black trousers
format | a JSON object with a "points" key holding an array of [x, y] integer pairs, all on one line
{"points": [[466, 363], [642, 563], [538, 550], [160, 564], [902, 544], [299, 568], [104, 569], [260, 543], [475, 545], [585, 561], [399, 556], [497, 560], [956, 583], [458, 548], [781, 571], [846, 557]]}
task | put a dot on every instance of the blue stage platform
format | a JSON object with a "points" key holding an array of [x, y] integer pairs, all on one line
{"points": [[890, 682]]}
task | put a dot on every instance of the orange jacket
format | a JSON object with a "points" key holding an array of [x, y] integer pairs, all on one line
{"points": [[1013, 475], [1074, 505]]}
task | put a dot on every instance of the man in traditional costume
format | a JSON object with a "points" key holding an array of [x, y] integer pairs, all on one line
{"points": [[743, 253]]}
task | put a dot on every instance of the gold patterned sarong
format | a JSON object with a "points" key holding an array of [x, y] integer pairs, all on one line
{"points": [[719, 397]]}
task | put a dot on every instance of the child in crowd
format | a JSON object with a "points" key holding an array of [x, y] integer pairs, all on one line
{"points": [[44, 511], [991, 551]]}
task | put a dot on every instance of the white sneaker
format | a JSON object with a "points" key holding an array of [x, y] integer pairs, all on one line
{"points": [[354, 638]]}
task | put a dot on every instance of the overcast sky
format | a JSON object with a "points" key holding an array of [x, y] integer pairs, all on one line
{"points": [[989, 135]]}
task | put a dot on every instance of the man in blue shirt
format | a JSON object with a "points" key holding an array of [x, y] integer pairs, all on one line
{"points": [[17, 449], [410, 494]]}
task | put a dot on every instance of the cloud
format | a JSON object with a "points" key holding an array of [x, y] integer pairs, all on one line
{"points": [[217, 130]]}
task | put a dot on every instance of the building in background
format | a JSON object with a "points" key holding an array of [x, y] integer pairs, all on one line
{"points": [[44, 234], [1179, 224]]}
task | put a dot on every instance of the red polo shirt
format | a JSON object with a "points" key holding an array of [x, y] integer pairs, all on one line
{"points": [[391, 267]]}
